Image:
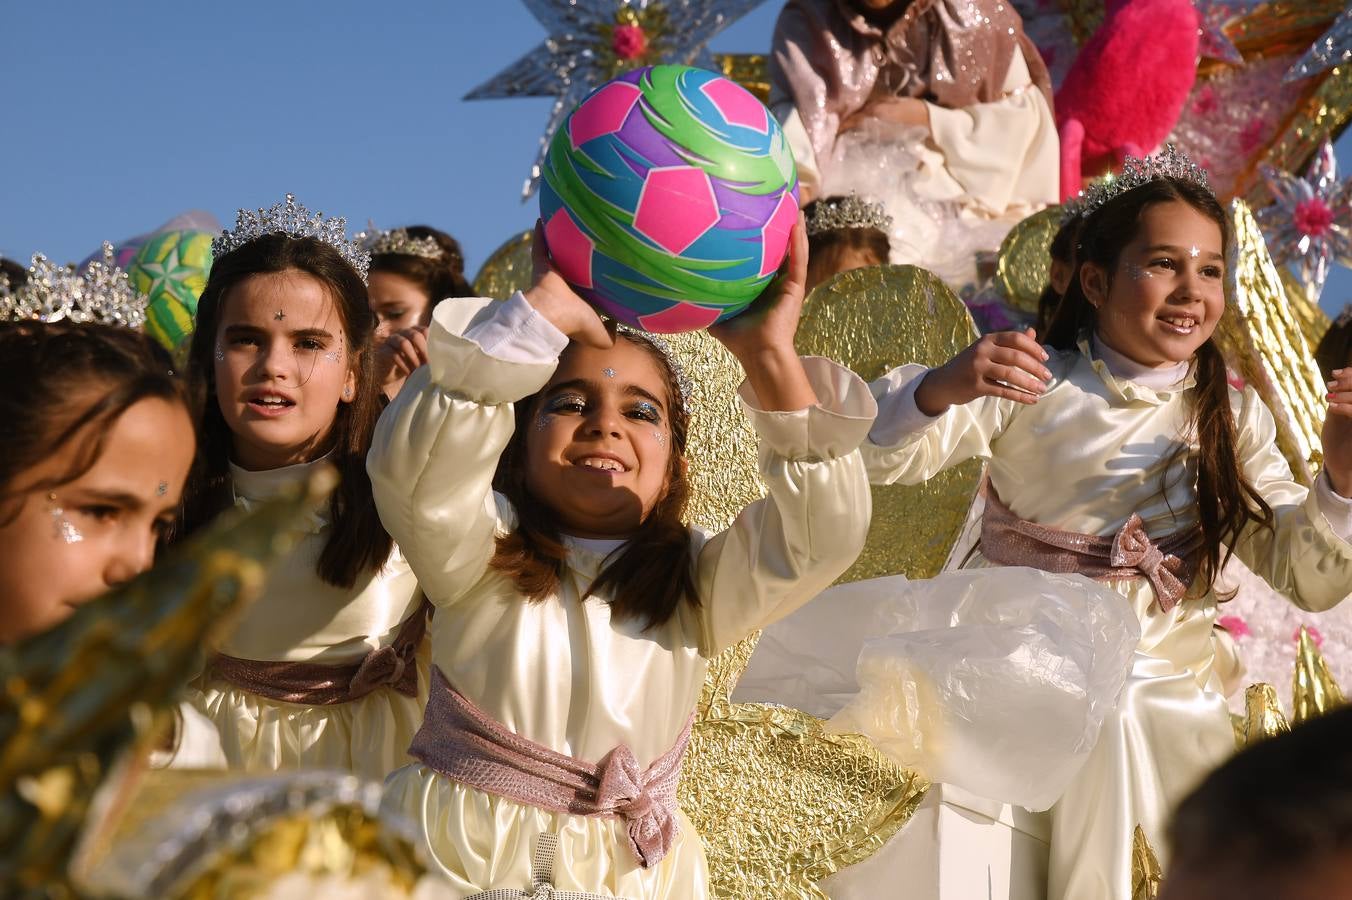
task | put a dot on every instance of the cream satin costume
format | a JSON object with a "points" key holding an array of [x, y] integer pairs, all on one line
{"points": [[1092, 451], [301, 618], [990, 156], [562, 672]]}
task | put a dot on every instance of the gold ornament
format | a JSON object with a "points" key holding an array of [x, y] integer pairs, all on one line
{"points": [[1146, 874], [750, 70], [232, 836], [1025, 266], [79, 695], [507, 270], [1313, 690], [1262, 715], [1263, 339], [1314, 322], [873, 320]]}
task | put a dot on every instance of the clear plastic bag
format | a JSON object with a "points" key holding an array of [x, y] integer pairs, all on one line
{"points": [[995, 680]]}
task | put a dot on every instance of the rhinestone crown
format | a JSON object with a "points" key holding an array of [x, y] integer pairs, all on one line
{"points": [[102, 294], [848, 212], [1168, 163], [293, 220], [398, 240]]}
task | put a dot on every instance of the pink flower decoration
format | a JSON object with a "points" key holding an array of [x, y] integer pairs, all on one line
{"points": [[1312, 217], [1314, 635], [1252, 135], [629, 41], [1236, 625], [1236, 381]]}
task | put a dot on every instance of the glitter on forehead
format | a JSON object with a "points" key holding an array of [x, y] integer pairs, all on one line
{"points": [[161, 489], [1194, 252], [608, 372], [279, 315]]}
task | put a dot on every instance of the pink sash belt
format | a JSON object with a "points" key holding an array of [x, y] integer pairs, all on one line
{"points": [[462, 742], [1168, 565], [317, 684]]}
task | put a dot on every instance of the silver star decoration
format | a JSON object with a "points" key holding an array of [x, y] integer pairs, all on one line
{"points": [[1215, 14], [1332, 49], [1309, 223], [583, 52]]}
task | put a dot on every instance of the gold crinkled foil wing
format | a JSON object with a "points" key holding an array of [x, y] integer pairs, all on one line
{"points": [[1314, 692], [1263, 717], [1024, 267], [872, 320], [78, 696], [1262, 338], [507, 269], [1146, 874]]}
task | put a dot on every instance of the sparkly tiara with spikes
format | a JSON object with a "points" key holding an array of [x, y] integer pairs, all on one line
{"points": [[293, 220], [1168, 163], [847, 212], [398, 240], [101, 294]]}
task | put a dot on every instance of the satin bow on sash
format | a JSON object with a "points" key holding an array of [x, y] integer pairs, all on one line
{"points": [[1133, 549], [321, 684], [1168, 565], [466, 744]]}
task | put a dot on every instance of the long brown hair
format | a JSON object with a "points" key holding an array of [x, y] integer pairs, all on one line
{"points": [[357, 541], [653, 572], [1227, 504], [64, 379]]}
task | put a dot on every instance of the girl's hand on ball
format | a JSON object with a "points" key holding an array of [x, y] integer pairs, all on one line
{"points": [[762, 337], [400, 354], [554, 299], [1006, 364], [1337, 436]]}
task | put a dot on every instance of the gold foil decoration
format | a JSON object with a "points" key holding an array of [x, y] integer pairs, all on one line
{"points": [[1024, 267], [1313, 690], [1262, 715], [780, 803], [1263, 340], [79, 695], [507, 269], [231, 836], [873, 320], [750, 70], [1314, 322], [1146, 874]]}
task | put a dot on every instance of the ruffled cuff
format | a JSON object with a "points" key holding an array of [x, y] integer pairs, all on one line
{"points": [[1334, 507], [834, 427], [899, 418], [492, 352]]}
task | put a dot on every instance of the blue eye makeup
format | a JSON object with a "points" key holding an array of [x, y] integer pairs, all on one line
{"points": [[646, 411]]}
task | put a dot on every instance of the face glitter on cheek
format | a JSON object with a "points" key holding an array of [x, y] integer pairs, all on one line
{"points": [[661, 438], [334, 356], [62, 528], [1138, 273], [542, 421], [220, 353], [161, 489]]}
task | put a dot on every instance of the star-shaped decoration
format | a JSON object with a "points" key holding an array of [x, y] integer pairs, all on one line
{"points": [[1332, 49], [1215, 14], [592, 41], [1309, 223]]}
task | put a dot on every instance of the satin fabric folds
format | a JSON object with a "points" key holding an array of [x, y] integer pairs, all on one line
{"points": [[562, 672], [1095, 450], [300, 618]]}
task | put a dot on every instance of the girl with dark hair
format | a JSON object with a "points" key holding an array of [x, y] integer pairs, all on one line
{"points": [[412, 270], [844, 233], [576, 612], [1120, 452], [323, 669], [95, 443], [1334, 352]]}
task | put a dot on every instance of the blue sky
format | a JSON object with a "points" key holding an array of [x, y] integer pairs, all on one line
{"points": [[120, 116]]}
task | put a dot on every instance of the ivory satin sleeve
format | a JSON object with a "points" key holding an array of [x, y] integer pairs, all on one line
{"points": [[437, 444], [784, 549], [1303, 557], [905, 446], [1005, 154]]}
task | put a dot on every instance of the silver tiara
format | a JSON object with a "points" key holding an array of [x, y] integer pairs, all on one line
{"points": [[292, 220], [398, 240], [847, 212], [101, 294], [1168, 163]]}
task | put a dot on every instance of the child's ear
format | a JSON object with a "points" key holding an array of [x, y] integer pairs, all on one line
{"points": [[1094, 283]]}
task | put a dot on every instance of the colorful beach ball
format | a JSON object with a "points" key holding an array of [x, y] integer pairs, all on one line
{"points": [[668, 197], [171, 269]]}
